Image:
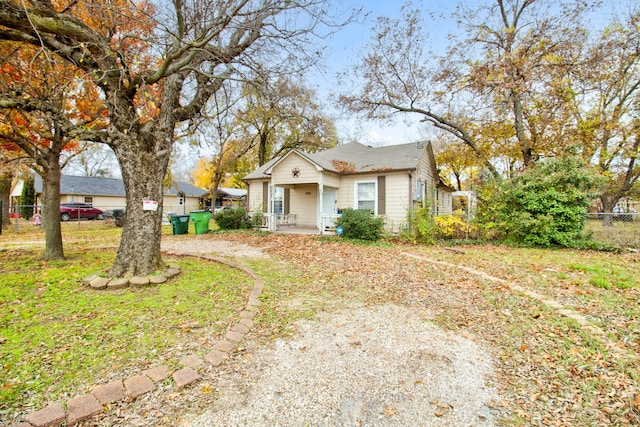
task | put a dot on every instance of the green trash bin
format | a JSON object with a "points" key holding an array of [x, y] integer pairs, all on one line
{"points": [[180, 224], [200, 221]]}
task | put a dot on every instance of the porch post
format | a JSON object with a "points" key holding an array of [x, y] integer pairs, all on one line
{"points": [[272, 216], [320, 202]]}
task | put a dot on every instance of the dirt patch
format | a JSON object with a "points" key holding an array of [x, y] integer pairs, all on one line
{"points": [[203, 244]]}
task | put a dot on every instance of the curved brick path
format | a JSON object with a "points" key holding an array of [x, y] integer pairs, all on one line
{"points": [[89, 405]]}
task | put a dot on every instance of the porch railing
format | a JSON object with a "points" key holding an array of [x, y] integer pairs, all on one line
{"points": [[285, 220], [328, 225], [271, 221]]}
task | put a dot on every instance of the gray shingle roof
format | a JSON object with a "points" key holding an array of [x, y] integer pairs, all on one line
{"points": [[369, 159], [95, 186], [233, 192], [358, 158]]}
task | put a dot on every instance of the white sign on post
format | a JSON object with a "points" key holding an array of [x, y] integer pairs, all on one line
{"points": [[149, 205]]}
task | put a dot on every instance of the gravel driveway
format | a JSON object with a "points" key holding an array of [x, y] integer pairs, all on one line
{"points": [[377, 366]]}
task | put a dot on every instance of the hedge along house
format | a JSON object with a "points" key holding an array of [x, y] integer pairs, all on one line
{"points": [[309, 191]]}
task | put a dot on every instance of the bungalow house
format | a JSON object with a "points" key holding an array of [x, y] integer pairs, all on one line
{"points": [[310, 190], [108, 193]]}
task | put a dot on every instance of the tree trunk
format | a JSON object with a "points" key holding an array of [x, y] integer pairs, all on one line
{"points": [[262, 148], [142, 173], [53, 248], [5, 193], [608, 202]]}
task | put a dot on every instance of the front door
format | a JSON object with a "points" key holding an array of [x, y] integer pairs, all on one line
{"points": [[329, 201]]}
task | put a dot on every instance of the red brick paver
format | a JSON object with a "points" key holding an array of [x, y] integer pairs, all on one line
{"points": [[224, 345], [215, 357], [240, 328], [185, 376], [158, 373], [111, 392], [82, 408], [50, 416], [234, 336], [192, 361], [138, 385]]}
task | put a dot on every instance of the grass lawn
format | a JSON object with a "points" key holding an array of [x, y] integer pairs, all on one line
{"points": [[57, 336]]}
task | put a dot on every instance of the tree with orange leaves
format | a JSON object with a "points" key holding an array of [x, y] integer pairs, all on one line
{"points": [[52, 87], [156, 69]]}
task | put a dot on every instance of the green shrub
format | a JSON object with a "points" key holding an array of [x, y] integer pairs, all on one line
{"points": [[454, 226], [257, 218], [360, 225], [232, 219], [544, 206], [422, 226], [28, 198]]}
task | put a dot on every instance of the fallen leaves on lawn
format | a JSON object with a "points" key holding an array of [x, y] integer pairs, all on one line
{"points": [[550, 371]]}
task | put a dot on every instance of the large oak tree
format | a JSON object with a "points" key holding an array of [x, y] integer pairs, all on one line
{"points": [[605, 101], [156, 68], [496, 89]]}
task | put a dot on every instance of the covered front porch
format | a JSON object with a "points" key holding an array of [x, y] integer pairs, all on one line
{"points": [[302, 209], [286, 223]]}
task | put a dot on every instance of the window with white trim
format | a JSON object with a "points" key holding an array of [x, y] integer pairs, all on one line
{"points": [[278, 200], [365, 195]]}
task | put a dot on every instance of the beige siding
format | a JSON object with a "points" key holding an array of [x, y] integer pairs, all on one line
{"points": [[304, 204], [282, 173], [331, 180], [398, 197], [397, 194], [170, 204], [255, 196], [100, 202], [426, 174], [345, 193]]}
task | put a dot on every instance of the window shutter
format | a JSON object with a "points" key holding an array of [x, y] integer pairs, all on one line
{"points": [[382, 199], [265, 197], [287, 193]]}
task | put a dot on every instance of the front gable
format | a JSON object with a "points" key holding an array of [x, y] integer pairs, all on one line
{"points": [[294, 168]]}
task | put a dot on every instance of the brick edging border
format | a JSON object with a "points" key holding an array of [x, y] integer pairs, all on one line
{"points": [[89, 405]]}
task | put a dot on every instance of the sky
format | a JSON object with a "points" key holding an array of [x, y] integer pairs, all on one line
{"points": [[345, 49], [343, 52], [348, 45]]}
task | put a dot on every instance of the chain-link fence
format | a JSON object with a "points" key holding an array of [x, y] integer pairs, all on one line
{"points": [[21, 216], [621, 229]]}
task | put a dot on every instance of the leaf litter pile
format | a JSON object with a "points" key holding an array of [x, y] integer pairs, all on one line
{"points": [[551, 370]]}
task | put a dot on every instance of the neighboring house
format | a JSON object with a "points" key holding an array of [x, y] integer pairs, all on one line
{"points": [[108, 193], [310, 190], [226, 197]]}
